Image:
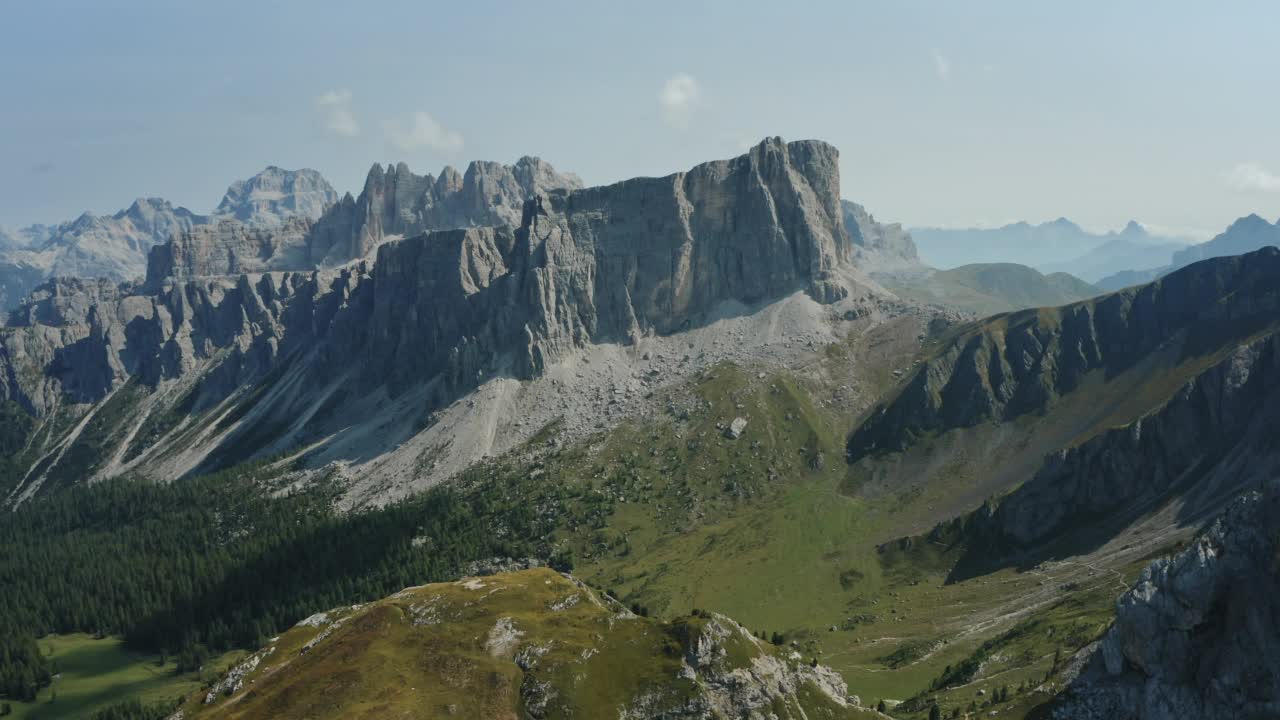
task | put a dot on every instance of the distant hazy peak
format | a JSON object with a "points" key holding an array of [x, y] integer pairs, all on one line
{"points": [[1133, 227], [275, 195]]}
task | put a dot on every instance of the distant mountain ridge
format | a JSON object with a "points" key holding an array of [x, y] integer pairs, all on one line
{"points": [[1246, 234], [888, 253], [1056, 246], [990, 288], [115, 246]]}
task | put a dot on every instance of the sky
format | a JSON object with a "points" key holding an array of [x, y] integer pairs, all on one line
{"points": [[945, 114]]}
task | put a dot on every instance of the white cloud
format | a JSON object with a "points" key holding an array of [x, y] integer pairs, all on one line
{"points": [[941, 66], [679, 98], [1252, 177], [423, 132], [338, 118]]}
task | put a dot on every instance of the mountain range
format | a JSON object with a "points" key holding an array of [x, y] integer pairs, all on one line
{"points": [[115, 246], [1246, 234], [1056, 246], [497, 444]]}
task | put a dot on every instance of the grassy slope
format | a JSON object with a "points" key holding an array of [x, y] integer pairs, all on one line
{"points": [[673, 515], [94, 673], [429, 652], [752, 528], [989, 288]]}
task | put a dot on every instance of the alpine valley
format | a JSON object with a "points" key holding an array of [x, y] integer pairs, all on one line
{"points": [[719, 444]]}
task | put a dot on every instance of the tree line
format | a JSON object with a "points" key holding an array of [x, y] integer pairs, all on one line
{"points": [[199, 566]]}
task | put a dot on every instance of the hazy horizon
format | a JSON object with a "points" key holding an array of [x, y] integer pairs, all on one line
{"points": [[946, 116]]}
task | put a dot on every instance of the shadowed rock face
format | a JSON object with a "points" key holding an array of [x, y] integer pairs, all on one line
{"points": [[1212, 439], [1020, 363], [1195, 636]]}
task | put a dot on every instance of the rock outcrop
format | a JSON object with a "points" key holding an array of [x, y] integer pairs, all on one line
{"points": [[397, 203], [1196, 636]]}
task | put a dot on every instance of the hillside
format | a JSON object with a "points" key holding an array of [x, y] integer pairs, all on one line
{"points": [[987, 289], [530, 643]]}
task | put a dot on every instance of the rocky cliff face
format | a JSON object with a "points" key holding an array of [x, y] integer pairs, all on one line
{"points": [[1213, 437], [1011, 365], [1196, 635], [396, 202], [879, 247], [230, 248], [436, 314]]}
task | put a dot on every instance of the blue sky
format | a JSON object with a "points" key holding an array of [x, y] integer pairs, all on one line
{"points": [[970, 113]]}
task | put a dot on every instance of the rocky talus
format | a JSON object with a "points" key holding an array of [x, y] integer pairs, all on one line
{"points": [[1196, 636]]}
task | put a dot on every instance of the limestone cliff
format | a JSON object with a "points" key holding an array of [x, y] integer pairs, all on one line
{"points": [[230, 248], [269, 355], [396, 202], [1196, 635]]}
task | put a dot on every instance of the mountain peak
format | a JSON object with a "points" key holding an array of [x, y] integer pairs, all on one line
{"points": [[1064, 224], [275, 195], [1133, 227]]}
